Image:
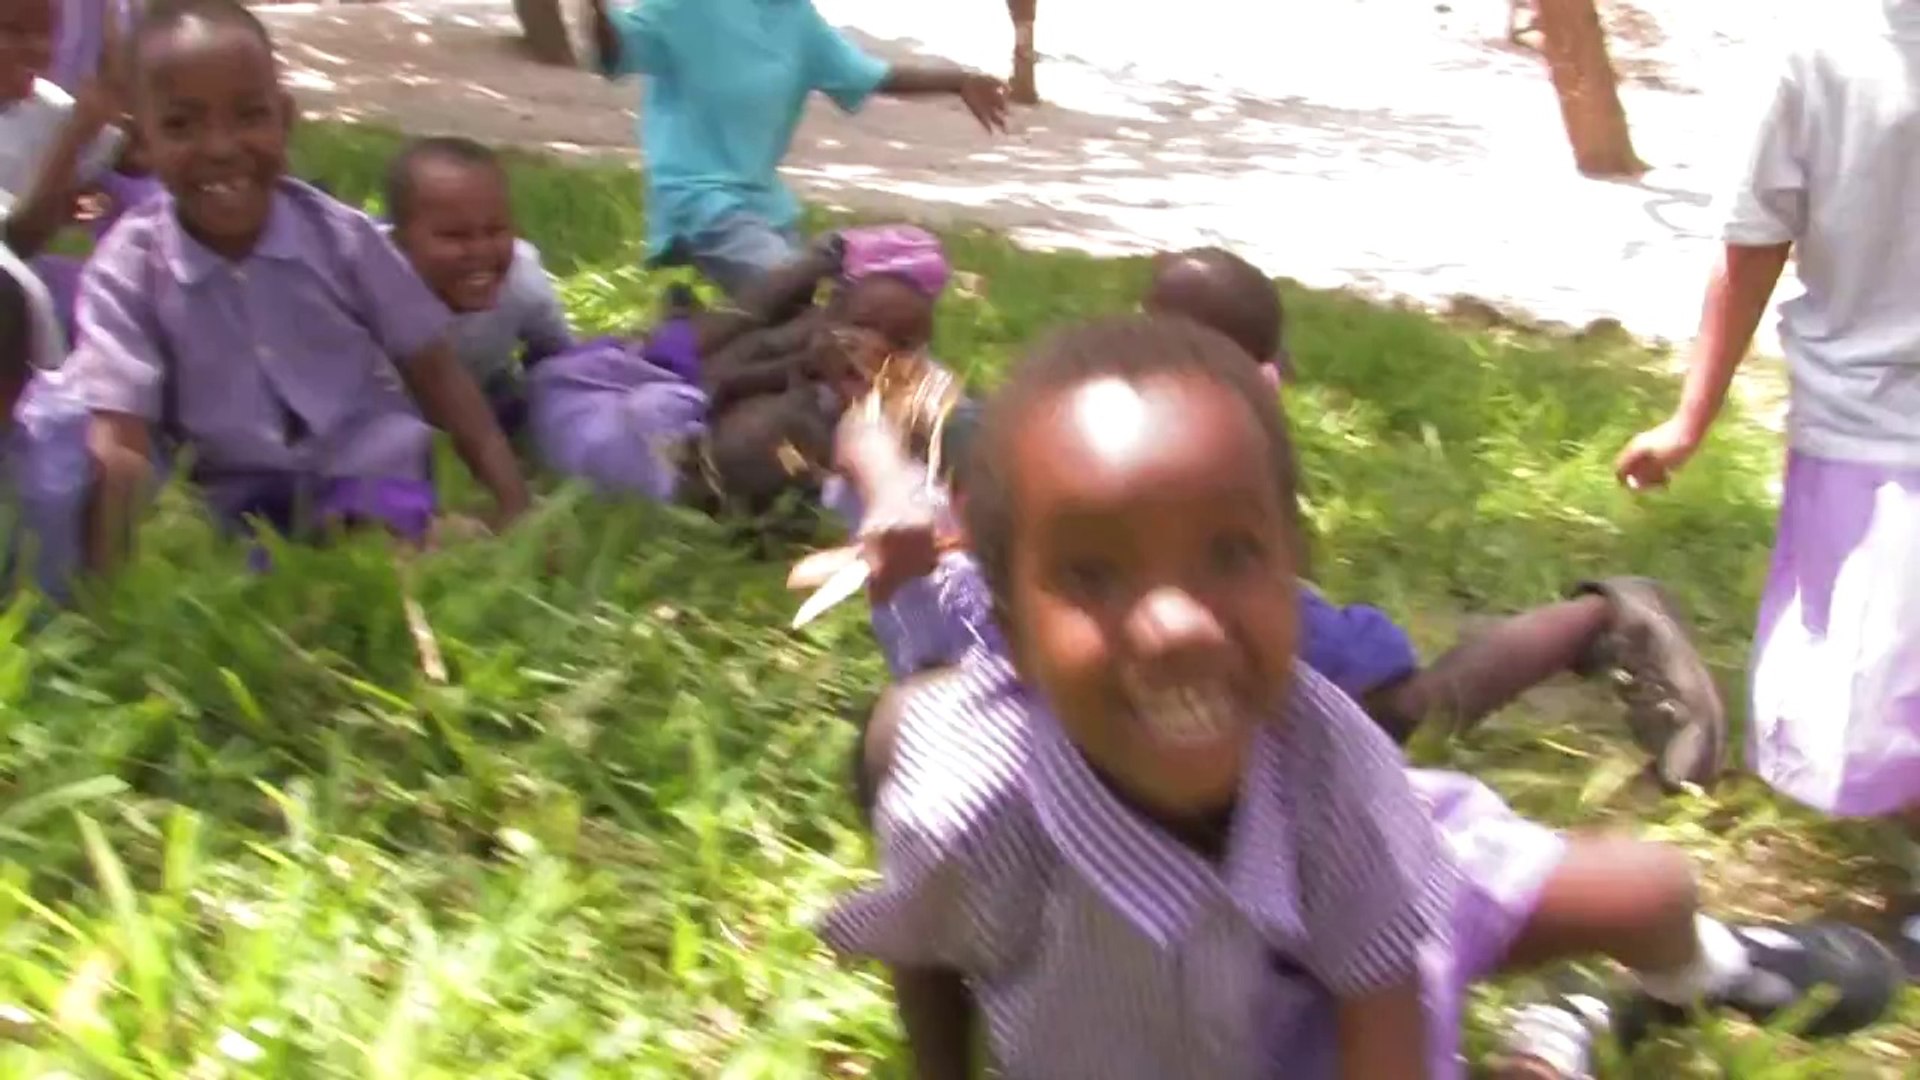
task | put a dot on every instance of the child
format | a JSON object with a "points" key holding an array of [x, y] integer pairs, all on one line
{"points": [[43, 436], [447, 200], [1621, 625], [275, 333], [1131, 506], [728, 410], [1529, 896], [52, 145], [726, 83], [1836, 663]]}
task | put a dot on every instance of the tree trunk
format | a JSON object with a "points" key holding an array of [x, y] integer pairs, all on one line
{"points": [[543, 24], [1576, 49], [1021, 87]]}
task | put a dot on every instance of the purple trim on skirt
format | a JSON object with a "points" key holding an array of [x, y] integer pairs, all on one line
{"points": [[273, 499], [673, 345], [1836, 664]]}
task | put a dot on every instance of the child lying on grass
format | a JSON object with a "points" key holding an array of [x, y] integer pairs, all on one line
{"points": [[253, 321], [448, 204], [732, 410], [1623, 626], [1107, 762]]}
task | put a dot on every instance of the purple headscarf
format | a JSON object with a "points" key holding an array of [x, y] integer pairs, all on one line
{"points": [[905, 251]]}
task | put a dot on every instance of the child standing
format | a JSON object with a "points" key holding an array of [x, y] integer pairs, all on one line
{"points": [[247, 317], [448, 203], [1836, 663]]}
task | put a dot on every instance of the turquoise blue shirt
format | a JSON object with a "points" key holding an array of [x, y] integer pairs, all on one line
{"points": [[724, 85]]}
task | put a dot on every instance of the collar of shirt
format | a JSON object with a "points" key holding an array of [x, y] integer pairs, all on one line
{"points": [[192, 262], [1156, 883]]}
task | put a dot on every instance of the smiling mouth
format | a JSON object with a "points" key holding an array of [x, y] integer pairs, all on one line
{"points": [[225, 191], [479, 280], [1185, 716]]}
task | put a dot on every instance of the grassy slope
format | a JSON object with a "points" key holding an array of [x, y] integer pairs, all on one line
{"points": [[242, 835]]}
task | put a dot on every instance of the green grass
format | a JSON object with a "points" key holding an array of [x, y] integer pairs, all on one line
{"points": [[241, 835]]}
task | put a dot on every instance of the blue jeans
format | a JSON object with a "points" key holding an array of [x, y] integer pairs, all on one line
{"points": [[738, 248]]}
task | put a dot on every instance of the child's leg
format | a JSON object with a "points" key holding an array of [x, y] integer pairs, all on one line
{"points": [[1637, 903], [738, 249], [1481, 675]]}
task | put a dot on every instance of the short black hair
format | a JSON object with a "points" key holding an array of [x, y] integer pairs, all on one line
{"points": [[167, 16], [450, 149], [1221, 290], [1133, 348]]}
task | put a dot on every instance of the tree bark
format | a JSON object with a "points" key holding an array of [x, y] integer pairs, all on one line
{"points": [[1021, 87], [544, 27], [1575, 45]]}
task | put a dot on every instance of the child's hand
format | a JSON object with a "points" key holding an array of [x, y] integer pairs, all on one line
{"points": [[899, 541], [985, 97], [1654, 455]]}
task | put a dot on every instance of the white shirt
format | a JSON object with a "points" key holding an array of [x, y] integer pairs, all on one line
{"points": [[1834, 169], [29, 128]]}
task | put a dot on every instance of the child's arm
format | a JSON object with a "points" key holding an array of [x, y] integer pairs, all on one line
{"points": [[452, 401], [774, 298], [47, 206], [898, 522], [1765, 213], [937, 1012], [121, 448], [849, 75], [1382, 1035], [1737, 296]]}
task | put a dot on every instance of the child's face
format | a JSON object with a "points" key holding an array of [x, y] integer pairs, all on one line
{"points": [[26, 46], [1152, 583], [215, 121], [459, 232]]}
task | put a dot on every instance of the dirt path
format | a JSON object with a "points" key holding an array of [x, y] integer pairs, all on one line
{"points": [[1391, 145]]}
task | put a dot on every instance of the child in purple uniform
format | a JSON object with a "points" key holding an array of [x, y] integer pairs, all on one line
{"points": [[1526, 895], [274, 332], [1143, 866], [448, 201]]}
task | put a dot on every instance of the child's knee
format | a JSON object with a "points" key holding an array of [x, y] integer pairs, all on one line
{"points": [[1660, 886]]}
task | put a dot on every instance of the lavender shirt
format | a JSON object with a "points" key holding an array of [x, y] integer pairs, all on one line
{"points": [[282, 361], [1095, 944]]}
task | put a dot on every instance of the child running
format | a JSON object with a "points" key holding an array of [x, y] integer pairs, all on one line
{"points": [[271, 331], [448, 203], [1529, 896], [1836, 661]]}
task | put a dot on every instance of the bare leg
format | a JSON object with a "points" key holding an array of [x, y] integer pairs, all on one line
{"points": [[1022, 88], [1480, 676]]}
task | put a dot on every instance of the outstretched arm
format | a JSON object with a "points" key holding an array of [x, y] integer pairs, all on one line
{"points": [[452, 402]]}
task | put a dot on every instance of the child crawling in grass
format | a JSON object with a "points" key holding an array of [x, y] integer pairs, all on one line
{"points": [[447, 200], [271, 332]]}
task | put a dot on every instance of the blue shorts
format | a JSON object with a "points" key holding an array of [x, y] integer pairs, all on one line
{"points": [[736, 249], [1357, 648]]}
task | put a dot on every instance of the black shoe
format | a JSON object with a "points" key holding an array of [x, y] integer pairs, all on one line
{"points": [[1673, 707], [1852, 972]]}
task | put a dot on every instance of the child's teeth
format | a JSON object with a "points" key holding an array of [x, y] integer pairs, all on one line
{"points": [[1188, 714]]}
